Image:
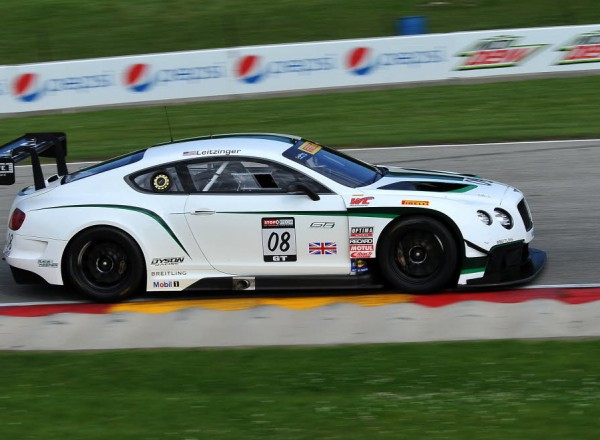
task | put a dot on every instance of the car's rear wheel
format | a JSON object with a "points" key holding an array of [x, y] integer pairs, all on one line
{"points": [[105, 264], [418, 255]]}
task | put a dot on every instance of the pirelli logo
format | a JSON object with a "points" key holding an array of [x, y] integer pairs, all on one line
{"points": [[415, 203]]}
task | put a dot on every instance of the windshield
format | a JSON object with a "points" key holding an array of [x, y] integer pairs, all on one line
{"points": [[101, 167], [330, 163]]}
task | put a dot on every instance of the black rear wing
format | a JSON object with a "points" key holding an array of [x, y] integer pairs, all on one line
{"points": [[34, 146]]}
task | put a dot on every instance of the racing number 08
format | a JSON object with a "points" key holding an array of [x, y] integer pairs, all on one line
{"points": [[279, 242], [279, 239]]}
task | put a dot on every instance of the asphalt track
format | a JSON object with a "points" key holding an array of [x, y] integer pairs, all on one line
{"points": [[561, 182]]}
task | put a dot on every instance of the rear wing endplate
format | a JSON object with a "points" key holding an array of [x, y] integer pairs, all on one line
{"points": [[34, 146]]}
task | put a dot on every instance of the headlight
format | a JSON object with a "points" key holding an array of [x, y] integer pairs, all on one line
{"points": [[503, 218], [484, 217]]}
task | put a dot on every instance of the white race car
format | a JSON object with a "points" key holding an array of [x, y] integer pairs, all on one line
{"points": [[246, 211]]}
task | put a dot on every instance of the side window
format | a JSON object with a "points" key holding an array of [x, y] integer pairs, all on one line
{"points": [[241, 175], [159, 180]]}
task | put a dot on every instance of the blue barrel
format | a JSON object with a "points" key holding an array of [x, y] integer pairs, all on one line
{"points": [[413, 25]]}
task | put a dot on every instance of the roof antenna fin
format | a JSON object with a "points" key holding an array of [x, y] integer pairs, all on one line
{"points": [[169, 124]]}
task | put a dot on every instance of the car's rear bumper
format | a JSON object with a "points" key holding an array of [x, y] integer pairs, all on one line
{"points": [[511, 265], [22, 276], [31, 258]]}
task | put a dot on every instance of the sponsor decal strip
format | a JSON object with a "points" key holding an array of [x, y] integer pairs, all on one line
{"points": [[567, 295]]}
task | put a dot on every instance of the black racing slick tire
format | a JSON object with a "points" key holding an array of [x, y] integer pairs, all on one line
{"points": [[105, 264], [418, 255]]}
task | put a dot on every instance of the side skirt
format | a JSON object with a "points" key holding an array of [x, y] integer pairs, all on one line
{"points": [[360, 281]]}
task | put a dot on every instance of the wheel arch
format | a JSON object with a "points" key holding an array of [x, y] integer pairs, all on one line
{"points": [[437, 215], [67, 248]]}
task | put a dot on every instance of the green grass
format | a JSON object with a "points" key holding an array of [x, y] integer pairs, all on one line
{"points": [[483, 390], [488, 390], [44, 30], [534, 109], [47, 30]]}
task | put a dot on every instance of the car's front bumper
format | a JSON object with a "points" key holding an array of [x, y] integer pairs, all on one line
{"points": [[510, 265]]}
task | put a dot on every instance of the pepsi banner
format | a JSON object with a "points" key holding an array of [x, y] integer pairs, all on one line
{"points": [[296, 68]]}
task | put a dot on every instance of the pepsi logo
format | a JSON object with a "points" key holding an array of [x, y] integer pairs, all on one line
{"points": [[137, 77], [359, 61], [24, 87], [247, 69]]}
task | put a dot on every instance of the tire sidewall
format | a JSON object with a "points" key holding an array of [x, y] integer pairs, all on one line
{"points": [[135, 265], [439, 280]]}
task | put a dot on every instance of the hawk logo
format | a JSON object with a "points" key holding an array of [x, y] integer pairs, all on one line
{"points": [[500, 51], [584, 48]]}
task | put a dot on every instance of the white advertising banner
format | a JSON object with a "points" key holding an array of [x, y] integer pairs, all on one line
{"points": [[255, 70]]}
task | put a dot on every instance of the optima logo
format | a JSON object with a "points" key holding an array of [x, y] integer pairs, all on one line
{"points": [[27, 87], [251, 69], [139, 78]]}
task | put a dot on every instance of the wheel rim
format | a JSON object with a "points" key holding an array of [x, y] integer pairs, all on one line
{"points": [[419, 254], [102, 264]]}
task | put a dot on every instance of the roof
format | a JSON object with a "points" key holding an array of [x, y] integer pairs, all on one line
{"points": [[252, 144], [267, 136]]}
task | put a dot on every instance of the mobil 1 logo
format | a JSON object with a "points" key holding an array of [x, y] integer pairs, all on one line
{"points": [[279, 239]]}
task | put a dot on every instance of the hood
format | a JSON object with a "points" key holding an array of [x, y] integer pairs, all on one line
{"points": [[411, 179]]}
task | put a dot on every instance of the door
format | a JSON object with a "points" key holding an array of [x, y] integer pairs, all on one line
{"points": [[255, 217]]}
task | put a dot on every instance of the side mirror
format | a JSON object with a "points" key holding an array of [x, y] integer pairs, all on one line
{"points": [[303, 189]]}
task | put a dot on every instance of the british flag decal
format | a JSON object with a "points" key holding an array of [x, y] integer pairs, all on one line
{"points": [[322, 248]]}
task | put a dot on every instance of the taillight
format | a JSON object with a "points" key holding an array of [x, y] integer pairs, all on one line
{"points": [[16, 219]]}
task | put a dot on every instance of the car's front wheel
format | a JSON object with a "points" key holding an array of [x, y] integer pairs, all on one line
{"points": [[105, 264], [418, 255]]}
